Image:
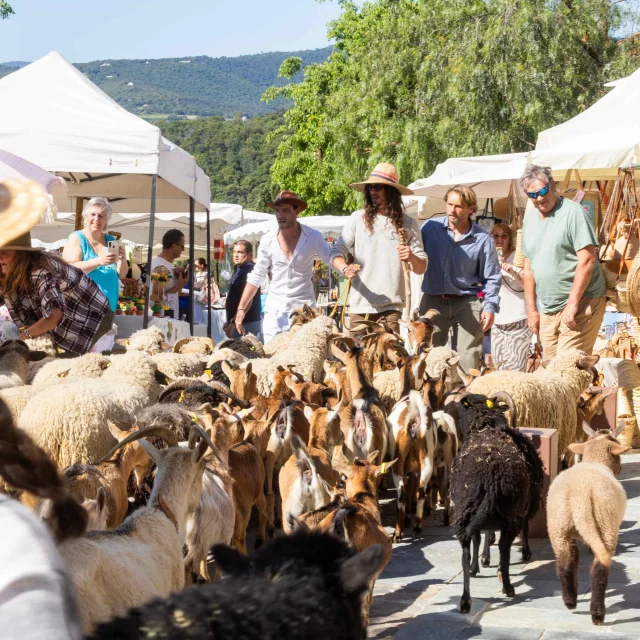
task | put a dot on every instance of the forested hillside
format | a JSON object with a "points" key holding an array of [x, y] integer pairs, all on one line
{"points": [[235, 154], [197, 85]]}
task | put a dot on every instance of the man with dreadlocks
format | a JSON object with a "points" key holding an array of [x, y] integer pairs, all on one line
{"points": [[380, 237]]}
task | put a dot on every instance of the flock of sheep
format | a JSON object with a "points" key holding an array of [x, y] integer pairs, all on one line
{"points": [[149, 464]]}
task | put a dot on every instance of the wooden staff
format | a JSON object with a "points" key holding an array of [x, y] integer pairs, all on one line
{"points": [[406, 268]]}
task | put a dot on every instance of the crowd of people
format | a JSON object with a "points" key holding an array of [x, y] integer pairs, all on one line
{"points": [[469, 274]]}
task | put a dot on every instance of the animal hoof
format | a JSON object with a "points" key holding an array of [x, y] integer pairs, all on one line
{"points": [[465, 605], [486, 562], [396, 537], [509, 591], [474, 572], [597, 619], [526, 556], [570, 604], [417, 532]]}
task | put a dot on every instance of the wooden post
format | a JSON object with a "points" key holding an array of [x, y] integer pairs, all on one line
{"points": [[79, 206], [211, 276], [192, 215]]}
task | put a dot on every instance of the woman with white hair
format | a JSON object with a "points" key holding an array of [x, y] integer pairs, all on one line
{"points": [[88, 250]]}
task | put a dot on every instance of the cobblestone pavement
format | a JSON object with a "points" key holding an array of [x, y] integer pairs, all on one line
{"points": [[418, 594]]}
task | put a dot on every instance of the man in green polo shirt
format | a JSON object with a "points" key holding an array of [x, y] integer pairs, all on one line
{"points": [[561, 268]]}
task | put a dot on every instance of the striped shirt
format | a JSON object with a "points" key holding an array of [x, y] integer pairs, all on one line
{"points": [[58, 285]]}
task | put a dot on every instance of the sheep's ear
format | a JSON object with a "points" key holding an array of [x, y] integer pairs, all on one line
{"points": [[231, 561], [619, 449], [586, 362], [577, 448], [161, 378], [296, 525], [356, 573]]}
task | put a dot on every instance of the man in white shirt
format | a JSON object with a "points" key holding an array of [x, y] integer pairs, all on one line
{"points": [[172, 248], [288, 253]]}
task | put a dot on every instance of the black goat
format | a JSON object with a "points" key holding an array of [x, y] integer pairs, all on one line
{"points": [[496, 484], [307, 585]]}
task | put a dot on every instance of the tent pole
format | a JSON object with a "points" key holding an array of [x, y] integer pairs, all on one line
{"points": [[192, 216], [210, 276], [152, 224]]}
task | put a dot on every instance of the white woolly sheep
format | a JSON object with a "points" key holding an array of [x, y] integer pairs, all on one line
{"points": [[70, 420], [586, 502], [547, 398], [306, 354], [150, 340], [179, 365], [90, 365], [43, 343], [278, 343], [440, 359], [14, 363]]}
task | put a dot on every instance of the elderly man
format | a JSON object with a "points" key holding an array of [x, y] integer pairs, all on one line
{"points": [[288, 253], [462, 263], [381, 237], [561, 268]]}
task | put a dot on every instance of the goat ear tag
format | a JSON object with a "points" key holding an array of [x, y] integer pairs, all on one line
{"points": [[489, 404], [384, 467], [181, 398], [208, 372], [194, 417]]}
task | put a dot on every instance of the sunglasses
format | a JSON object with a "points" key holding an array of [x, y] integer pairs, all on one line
{"points": [[175, 244], [534, 194], [375, 187]]}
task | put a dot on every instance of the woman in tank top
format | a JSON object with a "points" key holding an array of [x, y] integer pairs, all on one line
{"points": [[88, 250]]}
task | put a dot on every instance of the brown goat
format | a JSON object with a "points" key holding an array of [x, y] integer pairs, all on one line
{"points": [[309, 392], [356, 517], [113, 474], [301, 316], [420, 331]]}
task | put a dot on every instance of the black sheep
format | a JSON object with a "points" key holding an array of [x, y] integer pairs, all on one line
{"points": [[496, 485], [307, 585]]}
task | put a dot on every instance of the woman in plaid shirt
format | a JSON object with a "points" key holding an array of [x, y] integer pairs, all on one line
{"points": [[45, 294]]}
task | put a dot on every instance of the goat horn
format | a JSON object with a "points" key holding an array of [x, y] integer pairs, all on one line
{"points": [[338, 353], [503, 396], [619, 429], [222, 388], [430, 315], [158, 430], [182, 384], [197, 431]]}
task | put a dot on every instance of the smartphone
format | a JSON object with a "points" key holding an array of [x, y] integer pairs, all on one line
{"points": [[113, 246]]}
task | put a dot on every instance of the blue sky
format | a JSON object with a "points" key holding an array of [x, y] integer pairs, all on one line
{"points": [[85, 30]]}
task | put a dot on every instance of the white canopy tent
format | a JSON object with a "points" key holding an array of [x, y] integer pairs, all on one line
{"points": [[599, 140], [55, 117]]}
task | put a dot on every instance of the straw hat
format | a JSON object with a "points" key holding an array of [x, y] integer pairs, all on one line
{"points": [[383, 174], [288, 197], [21, 205], [21, 243]]}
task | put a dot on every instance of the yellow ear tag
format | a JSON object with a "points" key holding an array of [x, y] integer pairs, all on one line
{"points": [[384, 467], [127, 342], [490, 404], [181, 398], [208, 372], [194, 417]]}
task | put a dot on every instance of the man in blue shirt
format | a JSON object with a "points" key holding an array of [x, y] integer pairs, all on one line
{"points": [[462, 263]]}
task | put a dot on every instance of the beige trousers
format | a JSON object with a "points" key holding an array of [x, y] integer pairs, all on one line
{"points": [[556, 336]]}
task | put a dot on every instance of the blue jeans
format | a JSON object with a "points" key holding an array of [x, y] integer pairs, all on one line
{"points": [[251, 327]]}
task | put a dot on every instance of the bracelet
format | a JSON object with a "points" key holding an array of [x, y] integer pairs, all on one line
{"points": [[27, 333], [344, 269], [243, 310]]}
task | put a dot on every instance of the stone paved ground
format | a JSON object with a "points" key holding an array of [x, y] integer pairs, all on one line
{"points": [[418, 594]]}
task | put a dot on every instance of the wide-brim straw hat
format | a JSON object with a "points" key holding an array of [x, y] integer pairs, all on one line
{"points": [[288, 197], [383, 173], [21, 205]]}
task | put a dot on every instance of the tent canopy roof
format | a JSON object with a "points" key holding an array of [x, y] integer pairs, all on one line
{"points": [[55, 117]]}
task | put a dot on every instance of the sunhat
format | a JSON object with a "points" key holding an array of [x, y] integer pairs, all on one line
{"points": [[383, 173], [288, 197], [21, 205]]}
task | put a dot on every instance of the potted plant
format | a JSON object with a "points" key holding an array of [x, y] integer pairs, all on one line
{"points": [[140, 309], [156, 309], [128, 309]]}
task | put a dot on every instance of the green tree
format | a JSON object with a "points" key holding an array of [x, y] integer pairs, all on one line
{"points": [[5, 9], [414, 82]]}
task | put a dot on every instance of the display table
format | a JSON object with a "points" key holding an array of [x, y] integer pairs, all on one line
{"points": [[173, 330]]}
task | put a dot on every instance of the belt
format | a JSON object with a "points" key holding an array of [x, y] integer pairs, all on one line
{"points": [[453, 296]]}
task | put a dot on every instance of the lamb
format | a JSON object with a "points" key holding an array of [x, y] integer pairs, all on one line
{"points": [[196, 345], [305, 353], [141, 559], [587, 502], [496, 484], [16, 398], [547, 398], [69, 421], [90, 365], [179, 365], [307, 477], [441, 359], [320, 582], [15, 357], [412, 442]]}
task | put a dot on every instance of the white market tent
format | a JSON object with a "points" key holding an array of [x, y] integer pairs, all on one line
{"points": [[599, 140], [55, 117]]}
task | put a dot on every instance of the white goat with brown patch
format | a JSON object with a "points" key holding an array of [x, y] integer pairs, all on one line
{"points": [[307, 477]]}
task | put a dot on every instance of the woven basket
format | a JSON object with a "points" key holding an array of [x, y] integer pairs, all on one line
{"points": [[630, 427], [518, 258], [625, 410], [622, 301], [633, 286], [628, 376]]}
